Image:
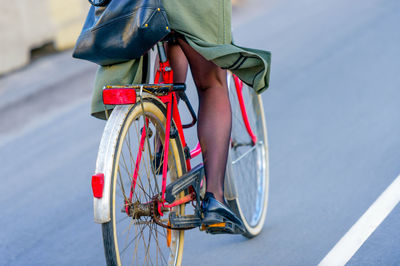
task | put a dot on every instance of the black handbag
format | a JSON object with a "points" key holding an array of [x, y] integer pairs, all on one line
{"points": [[116, 31]]}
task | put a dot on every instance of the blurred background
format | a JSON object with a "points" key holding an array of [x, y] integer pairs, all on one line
{"points": [[32, 28], [333, 120]]}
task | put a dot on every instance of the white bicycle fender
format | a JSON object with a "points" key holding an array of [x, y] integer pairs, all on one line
{"points": [[105, 160]]}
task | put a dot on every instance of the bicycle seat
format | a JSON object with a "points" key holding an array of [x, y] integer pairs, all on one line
{"points": [[172, 37]]}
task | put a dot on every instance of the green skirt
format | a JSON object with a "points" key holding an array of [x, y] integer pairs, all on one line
{"points": [[206, 26]]}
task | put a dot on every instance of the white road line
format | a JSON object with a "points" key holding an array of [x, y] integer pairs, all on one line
{"points": [[364, 227]]}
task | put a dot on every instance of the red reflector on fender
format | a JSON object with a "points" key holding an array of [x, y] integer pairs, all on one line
{"points": [[119, 96], [98, 185]]}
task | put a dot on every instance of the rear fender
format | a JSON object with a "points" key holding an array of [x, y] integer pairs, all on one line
{"points": [[104, 164]]}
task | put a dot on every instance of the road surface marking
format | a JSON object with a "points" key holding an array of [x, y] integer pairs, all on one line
{"points": [[348, 245]]}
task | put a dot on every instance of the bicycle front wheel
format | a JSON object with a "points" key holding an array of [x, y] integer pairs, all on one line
{"points": [[132, 237], [248, 163]]}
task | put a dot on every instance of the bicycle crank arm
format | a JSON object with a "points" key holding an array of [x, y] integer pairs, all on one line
{"points": [[190, 179]]}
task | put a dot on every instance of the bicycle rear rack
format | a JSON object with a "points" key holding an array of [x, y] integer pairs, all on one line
{"points": [[120, 95], [127, 94]]}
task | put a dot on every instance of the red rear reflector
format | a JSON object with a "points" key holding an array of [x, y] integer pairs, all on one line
{"points": [[119, 96], [97, 185]]}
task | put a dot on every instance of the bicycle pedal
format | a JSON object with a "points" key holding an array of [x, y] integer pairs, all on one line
{"points": [[184, 221], [221, 228], [192, 178]]}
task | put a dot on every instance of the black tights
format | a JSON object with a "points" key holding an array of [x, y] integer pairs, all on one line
{"points": [[214, 115]]}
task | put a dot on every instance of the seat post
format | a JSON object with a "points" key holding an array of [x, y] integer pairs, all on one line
{"points": [[161, 52]]}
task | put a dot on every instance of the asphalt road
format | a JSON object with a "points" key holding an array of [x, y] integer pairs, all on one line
{"points": [[333, 119]]}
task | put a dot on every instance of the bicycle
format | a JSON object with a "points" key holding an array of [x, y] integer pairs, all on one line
{"points": [[140, 197]]}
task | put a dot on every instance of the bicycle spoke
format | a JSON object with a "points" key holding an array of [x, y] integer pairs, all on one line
{"points": [[134, 239], [123, 219], [136, 248], [127, 233], [158, 245], [130, 151], [145, 246], [125, 166], [247, 153], [122, 185]]}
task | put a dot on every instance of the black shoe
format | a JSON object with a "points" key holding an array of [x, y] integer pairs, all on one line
{"points": [[218, 218]]}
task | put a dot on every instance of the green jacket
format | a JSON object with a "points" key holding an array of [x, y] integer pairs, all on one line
{"points": [[207, 28]]}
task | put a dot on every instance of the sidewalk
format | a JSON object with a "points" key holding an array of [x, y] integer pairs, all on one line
{"points": [[49, 84], [26, 25]]}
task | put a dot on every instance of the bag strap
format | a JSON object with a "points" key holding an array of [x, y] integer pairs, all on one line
{"points": [[100, 3]]}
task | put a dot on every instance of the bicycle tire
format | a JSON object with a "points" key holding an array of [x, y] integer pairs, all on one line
{"points": [[248, 165], [120, 245]]}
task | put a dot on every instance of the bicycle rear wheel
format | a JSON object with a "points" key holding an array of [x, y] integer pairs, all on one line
{"points": [[135, 239], [248, 164]]}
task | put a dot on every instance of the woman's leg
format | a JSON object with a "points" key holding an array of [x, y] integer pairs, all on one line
{"points": [[214, 117], [178, 61]]}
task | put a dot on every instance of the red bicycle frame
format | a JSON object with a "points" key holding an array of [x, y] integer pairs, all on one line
{"points": [[164, 75]]}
